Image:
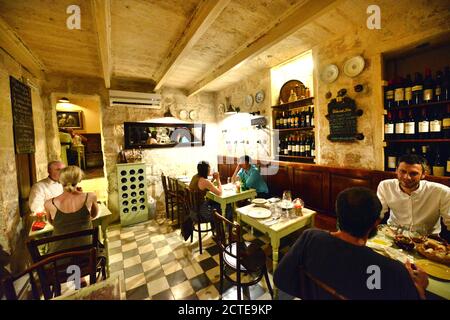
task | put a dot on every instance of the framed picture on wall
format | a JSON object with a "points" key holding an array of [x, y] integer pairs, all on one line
{"points": [[70, 119]]}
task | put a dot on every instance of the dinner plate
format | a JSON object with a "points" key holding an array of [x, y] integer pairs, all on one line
{"points": [[434, 269], [354, 66], [193, 115], [259, 213], [329, 73]]}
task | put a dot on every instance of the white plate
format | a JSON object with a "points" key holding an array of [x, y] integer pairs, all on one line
{"points": [[248, 100], [259, 201], [259, 96], [184, 115], [259, 213], [193, 115], [329, 73], [354, 66]]}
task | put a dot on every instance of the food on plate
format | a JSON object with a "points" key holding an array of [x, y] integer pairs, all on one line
{"points": [[435, 250], [404, 242]]}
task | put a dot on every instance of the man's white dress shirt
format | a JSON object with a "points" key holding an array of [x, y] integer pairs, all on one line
{"points": [[41, 191], [422, 209]]}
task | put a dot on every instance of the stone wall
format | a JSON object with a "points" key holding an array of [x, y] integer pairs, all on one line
{"points": [[13, 230]]}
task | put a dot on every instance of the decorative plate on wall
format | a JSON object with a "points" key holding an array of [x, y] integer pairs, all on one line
{"points": [[354, 66], [193, 115], [259, 96], [329, 73], [248, 100], [184, 115]]}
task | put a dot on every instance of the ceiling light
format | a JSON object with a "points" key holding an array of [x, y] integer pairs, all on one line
{"points": [[64, 100]]}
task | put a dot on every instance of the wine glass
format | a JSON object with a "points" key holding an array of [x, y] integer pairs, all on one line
{"points": [[287, 197]]}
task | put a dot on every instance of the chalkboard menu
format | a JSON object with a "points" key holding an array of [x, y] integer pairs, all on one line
{"points": [[342, 115], [22, 116]]}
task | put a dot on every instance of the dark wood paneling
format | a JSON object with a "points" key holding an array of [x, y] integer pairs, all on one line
{"points": [[308, 185], [280, 181]]}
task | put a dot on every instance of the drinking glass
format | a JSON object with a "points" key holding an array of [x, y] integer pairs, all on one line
{"points": [[228, 180], [287, 196]]}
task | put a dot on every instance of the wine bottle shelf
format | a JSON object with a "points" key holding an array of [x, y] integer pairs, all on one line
{"points": [[418, 105], [417, 140], [296, 129], [298, 103]]}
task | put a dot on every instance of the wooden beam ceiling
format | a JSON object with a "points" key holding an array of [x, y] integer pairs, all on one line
{"points": [[293, 20], [205, 14], [13, 45], [102, 17]]}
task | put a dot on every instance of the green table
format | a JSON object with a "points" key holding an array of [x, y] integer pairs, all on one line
{"points": [[278, 230], [230, 196]]}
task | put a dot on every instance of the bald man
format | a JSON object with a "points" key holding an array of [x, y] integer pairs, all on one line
{"points": [[47, 188]]}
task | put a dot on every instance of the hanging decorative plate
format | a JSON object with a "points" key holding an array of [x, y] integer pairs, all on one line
{"points": [[354, 66], [259, 96], [329, 73], [193, 115], [248, 100], [184, 115]]}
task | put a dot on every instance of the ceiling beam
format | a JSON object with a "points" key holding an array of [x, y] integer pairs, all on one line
{"points": [[299, 16], [205, 14], [102, 17], [13, 45]]}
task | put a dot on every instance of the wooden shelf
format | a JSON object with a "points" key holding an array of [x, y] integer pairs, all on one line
{"points": [[295, 157], [299, 103], [417, 106], [417, 140], [296, 129]]}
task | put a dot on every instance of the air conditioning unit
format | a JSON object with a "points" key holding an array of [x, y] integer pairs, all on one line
{"points": [[134, 99]]}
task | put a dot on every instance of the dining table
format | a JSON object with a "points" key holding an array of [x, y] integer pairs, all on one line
{"points": [[438, 274], [275, 228]]}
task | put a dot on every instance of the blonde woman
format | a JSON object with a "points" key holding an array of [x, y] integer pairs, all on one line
{"points": [[72, 210]]}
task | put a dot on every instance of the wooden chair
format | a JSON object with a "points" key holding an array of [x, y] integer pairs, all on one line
{"points": [[193, 201], [169, 196], [238, 256], [312, 288], [177, 195], [36, 256], [50, 275]]}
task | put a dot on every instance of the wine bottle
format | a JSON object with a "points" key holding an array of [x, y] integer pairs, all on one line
{"points": [[389, 95], [399, 126], [391, 160], [426, 158], [308, 146], [285, 120], [428, 87], [286, 146], [438, 86], [389, 126], [399, 92], [447, 167], [290, 146], [435, 124], [277, 120], [410, 125], [446, 123], [313, 146], [295, 147], [445, 90], [438, 166], [312, 117], [296, 119], [424, 125], [308, 117], [408, 90], [417, 89]]}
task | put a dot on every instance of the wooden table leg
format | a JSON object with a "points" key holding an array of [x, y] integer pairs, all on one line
{"points": [[275, 243]]}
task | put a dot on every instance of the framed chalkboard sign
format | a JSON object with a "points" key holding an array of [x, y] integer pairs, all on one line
{"points": [[22, 116], [342, 115]]}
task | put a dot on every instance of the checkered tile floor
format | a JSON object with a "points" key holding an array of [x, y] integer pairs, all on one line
{"points": [[154, 262]]}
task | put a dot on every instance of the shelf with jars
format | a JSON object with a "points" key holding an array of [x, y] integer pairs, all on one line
{"points": [[417, 119], [294, 123]]}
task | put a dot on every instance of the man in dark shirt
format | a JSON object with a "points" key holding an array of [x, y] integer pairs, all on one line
{"points": [[343, 262]]}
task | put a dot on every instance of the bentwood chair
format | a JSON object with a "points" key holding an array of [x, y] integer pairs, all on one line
{"points": [[177, 195], [36, 255], [46, 277], [192, 202], [237, 256], [311, 288]]}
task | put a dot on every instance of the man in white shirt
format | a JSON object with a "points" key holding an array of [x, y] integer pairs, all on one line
{"points": [[47, 188], [413, 202]]}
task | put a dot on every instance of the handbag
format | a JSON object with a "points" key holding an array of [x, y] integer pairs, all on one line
{"points": [[187, 228]]}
